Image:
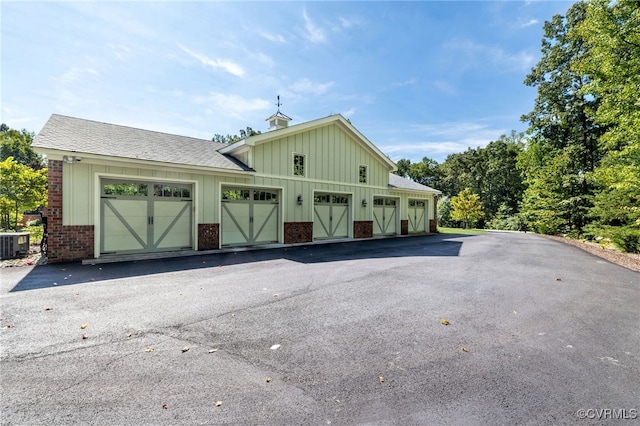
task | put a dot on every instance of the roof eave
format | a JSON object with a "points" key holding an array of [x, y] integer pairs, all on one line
{"points": [[429, 191], [55, 154], [235, 147]]}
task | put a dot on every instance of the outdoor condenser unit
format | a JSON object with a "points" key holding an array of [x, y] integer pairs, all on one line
{"points": [[14, 244]]}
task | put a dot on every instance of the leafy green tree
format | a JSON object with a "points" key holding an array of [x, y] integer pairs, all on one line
{"points": [[17, 144], [611, 31], [427, 172], [466, 207], [444, 212], [244, 133], [491, 172], [563, 137], [403, 167], [21, 188]]}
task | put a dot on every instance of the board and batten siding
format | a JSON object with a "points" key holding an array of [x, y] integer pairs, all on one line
{"points": [[331, 154], [291, 188], [81, 190], [404, 202]]}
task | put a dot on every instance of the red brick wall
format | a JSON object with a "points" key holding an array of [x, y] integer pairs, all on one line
{"points": [[433, 225], [404, 227], [298, 232], [208, 236], [363, 229], [65, 243]]}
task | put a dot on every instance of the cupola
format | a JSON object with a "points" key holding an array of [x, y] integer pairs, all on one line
{"points": [[278, 120]]}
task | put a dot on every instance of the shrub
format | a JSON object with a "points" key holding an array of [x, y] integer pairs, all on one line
{"points": [[627, 239]]}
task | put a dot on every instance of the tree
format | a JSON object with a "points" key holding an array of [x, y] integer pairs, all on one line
{"points": [[611, 31], [427, 172], [403, 166], [244, 133], [21, 188], [444, 212], [466, 207], [563, 136], [17, 144], [491, 172]]}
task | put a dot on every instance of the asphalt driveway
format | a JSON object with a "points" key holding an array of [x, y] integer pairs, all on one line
{"points": [[351, 333]]}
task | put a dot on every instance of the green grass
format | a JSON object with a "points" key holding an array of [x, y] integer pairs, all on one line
{"points": [[443, 230]]}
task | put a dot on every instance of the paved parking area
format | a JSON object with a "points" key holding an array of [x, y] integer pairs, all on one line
{"points": [[346, 333]]}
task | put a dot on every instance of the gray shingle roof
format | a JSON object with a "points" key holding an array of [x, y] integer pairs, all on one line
{"points": [[92, 137], [399, 182]]}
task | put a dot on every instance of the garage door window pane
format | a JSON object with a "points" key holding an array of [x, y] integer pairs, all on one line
{"points": [[237, 194], [130, 189]]}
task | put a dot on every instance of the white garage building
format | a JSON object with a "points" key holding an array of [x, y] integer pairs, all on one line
{"points": [[116, 190]]}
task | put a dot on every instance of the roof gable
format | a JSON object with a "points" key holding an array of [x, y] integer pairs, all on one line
{"points": [[336, 119], [79, 136]]}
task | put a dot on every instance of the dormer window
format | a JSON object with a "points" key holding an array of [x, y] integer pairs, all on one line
{"points": [[298, 165], [362, 174]]}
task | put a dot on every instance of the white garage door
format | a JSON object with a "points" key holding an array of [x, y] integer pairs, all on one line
{"points": [[249, 216], [331, 216], [385, 216], [145, 217], [417, 216]]}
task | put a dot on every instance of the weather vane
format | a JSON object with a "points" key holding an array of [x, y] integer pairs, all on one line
{"points": [[278, 104]]}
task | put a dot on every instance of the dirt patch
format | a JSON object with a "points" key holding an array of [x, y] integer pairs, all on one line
{"points": [[627, 260]]}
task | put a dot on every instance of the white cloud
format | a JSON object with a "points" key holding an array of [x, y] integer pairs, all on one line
{"points": [[272, 37], [232, 105], [226, 65], [349, 113], [529, 23], [314, 34], [307, 86], [476, 54], [405, 83], [436, 141], [76, 74], [445, 87], [119, 51], [346, 23]]}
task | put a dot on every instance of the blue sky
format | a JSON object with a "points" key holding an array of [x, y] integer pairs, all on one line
{"points": [[418, 79]]}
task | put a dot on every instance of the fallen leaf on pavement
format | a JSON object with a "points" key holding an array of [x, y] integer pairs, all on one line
{"points": [[83, 326], [267, 379], [149, 349], [218, 403], [558, 279], [84, 337], [444, 321], [165, 406], [185, 349], [213, 350], [465, 349], [381, 379], [10, 326], [48, 309], [274, 347]]}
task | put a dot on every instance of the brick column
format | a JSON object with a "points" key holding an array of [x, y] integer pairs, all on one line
{"points": [[404, 227], [208, 236], [64, 243], [363, 229], [298, 232]]}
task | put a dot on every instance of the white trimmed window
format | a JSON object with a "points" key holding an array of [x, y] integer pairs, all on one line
{"points": [[362, 174], [299, 162]]}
